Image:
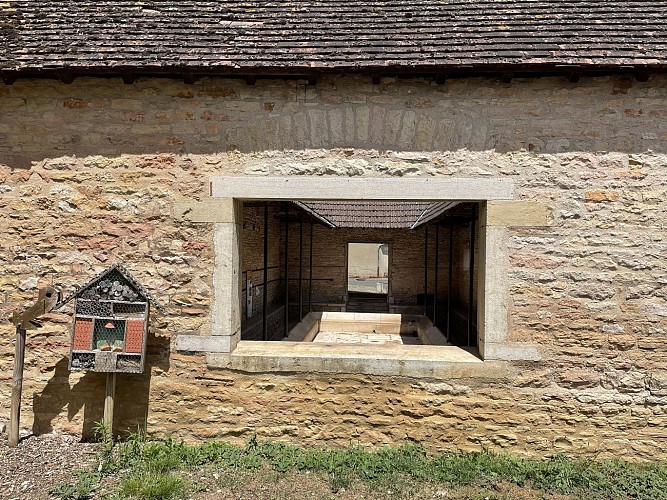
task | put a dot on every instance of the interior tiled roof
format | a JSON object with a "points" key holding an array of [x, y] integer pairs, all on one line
{"points": [[305, 36], [376, 214]]}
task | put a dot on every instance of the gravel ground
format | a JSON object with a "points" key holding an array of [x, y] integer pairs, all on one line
{"points": [[39, 463]]}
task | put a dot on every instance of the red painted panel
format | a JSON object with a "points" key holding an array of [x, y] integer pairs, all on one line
{"points": [[83, 334], [134, 336]]}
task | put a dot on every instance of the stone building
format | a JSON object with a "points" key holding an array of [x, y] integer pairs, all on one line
{"points": [[511, 155]]}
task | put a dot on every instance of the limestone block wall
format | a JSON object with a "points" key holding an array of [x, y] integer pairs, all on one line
{"points": [[90, 172]]}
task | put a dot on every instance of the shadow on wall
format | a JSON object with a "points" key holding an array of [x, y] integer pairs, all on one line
{"points": [[215, 115], [131, 400]]}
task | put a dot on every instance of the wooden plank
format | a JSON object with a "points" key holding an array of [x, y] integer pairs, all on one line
{"points": [[17, 388], [109, 402]]}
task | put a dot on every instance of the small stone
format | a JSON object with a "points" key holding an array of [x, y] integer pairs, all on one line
{"points": [[601, 196], [577, 378], [76, 103], [193, 311]]}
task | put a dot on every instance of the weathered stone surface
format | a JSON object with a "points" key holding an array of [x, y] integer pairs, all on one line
{"points": [[83, 186], [518, 214], [208, 210], [577, 379]]}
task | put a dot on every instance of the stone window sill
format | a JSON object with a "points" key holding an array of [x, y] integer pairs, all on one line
{"points": [[418, 361]]}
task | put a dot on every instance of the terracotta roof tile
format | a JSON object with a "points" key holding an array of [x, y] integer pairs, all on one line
{"points": [[376, 214], [305, 36]]}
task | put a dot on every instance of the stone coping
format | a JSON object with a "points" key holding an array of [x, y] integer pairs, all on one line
{"points": [[306, 188], [308, 328], [419, 361]]}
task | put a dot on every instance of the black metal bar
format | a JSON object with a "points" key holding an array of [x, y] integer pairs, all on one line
{"points": [[286, 270], [258, 269], [426, 271], [291, 279], [471, 286], [435, 276], [300, 268], [449, 280], [265, 291], [310, 271]]}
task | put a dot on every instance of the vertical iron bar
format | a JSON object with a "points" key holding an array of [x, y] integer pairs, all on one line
{"points": [[426, 271], [310, 271], [435, 276], [265, 291], [286, 269], [300, 268], [449, 280], [472, 275]]}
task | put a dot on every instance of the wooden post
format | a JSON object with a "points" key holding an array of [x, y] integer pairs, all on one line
{"points": [[17, 388], [108, 402], [27, 320]]}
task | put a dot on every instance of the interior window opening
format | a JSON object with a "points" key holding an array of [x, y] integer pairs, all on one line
{"points": [[367, 277], [360, 272]]}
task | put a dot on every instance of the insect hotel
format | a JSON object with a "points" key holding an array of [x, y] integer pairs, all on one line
{"points": [[111, 323]]}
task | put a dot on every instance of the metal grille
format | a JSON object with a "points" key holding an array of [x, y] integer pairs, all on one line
{"points": [[83, 360], [114, 287], [109, 335], [128, 310], [128, 362], [93, 308]]}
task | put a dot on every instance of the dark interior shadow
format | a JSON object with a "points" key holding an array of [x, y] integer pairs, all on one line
{"points": [[132, 397]]}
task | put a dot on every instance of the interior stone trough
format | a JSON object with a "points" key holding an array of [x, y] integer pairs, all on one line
{"points": [[366, 328]]}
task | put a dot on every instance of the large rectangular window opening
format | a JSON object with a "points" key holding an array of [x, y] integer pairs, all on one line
{"points": [[360, 272], [367, 277]]}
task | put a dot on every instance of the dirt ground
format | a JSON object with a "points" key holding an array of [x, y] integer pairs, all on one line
{"points": [[268, 485], [39, 463]]}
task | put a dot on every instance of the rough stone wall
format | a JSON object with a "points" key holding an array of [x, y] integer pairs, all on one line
{"points": [[89, 171]]}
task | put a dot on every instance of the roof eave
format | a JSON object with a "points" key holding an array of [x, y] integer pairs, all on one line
{"points": [[441, 72]]}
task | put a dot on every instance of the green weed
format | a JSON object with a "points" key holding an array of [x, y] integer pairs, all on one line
{"points": [[82, 489], [153, 486], [155, 465]]}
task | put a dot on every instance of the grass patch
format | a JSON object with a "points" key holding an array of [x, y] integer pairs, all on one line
{"points": [[150, 469], [153, 486]]}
